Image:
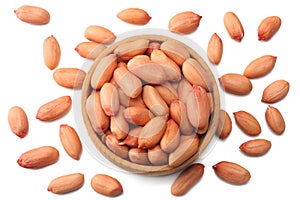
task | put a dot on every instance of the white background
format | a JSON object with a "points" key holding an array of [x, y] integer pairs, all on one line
{"points": [[25, 81]]}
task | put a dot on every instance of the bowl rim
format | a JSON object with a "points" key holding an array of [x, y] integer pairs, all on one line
{"points": [[127, 165]]}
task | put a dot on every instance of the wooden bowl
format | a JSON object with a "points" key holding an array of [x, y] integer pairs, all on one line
{"points": [[149, 170]]}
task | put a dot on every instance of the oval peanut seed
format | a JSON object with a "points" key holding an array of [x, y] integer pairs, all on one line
{"points": [[99, 121], [232, 172], [198, 109], [33, 14], [54, 109], [119, 125], [69, 77], [255, 147], [174, 50], [136, 16], [187, 148], [268, 27], [66, 183], [147, 70], [139, 156], [247, 123], [99, 34], [234, 26], [104, 71], [90, 50], [137, 115], [169, 66], [195, 74], [235, 84], [157, 156], [275, 120], [18, 121], [167, 92], [225, 125], [260, 66], [106, 185], [187, 179], [178, 113], [109, 97], [154, 101], [183, 89], [152, 132], [171, 138], [184, 22], [275, 91], [128, 50], [215, 49], [128, 82], [70, 141], [38, 157], [51, 52]]}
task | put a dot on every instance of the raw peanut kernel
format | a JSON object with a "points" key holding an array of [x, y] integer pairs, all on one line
{"points": [[275, 91], [99, 34], [195, 74], [268, 27], [198, 107], [89, 50], [54, 109], [260, 66], [104, 71], [139, 156], [52, 52], [152, 132], [70, 141], [109, 97], [33, 15], [184, 22], [69, 77], [247, 122], [154, 101], [232, 173], [233, 26], [178, 113], [137, 115], [99, 121], [128, 50], [122, 77], [134, 16], [175, 51], [171, 138], [170, 67], [118, 125], [187, 179], [188, 146], [275, 120], [38, 157], [66, 183], [157, 156], [18, 121], [236, 83], [256, 147], [215, 49], [106, 185], [225, 125], [147, 70]]}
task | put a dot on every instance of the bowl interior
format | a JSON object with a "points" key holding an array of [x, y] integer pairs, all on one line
{"points": [[127, 165]]}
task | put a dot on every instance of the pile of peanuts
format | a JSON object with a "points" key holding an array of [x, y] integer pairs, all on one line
{"points": [[162, 96]]}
